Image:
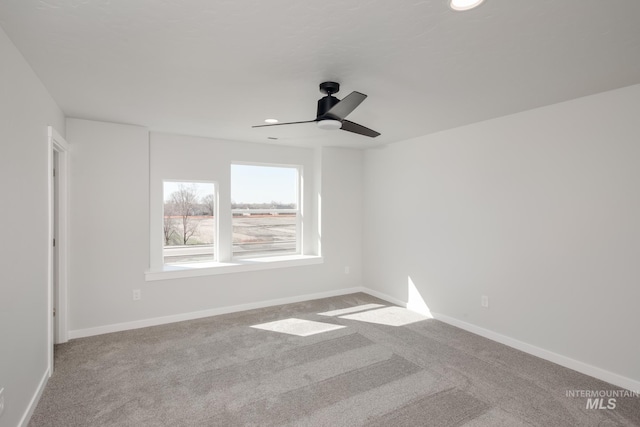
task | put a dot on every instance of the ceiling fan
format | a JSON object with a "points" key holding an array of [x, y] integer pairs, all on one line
{"points": [[332, 111]]}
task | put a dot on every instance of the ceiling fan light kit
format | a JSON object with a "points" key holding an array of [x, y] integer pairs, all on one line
{"points": [[329, 124], [462, 5], [332, 111]]}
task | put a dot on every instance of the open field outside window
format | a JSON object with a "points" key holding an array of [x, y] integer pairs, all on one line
{"points": [[266, 218]]}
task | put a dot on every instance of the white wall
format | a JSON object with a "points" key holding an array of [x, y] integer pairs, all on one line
{"points": [[539, 211], [342, 202], [108, 217], [111, 169], [26, 109]]}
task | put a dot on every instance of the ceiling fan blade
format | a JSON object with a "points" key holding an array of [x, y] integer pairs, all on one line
{"points": [[359, 129], [280, 124], [343, 108]]}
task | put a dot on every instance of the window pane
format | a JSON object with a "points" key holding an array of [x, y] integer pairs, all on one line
{"points": [[264, 187], [264, 200], [189, 224], [264, 234]]}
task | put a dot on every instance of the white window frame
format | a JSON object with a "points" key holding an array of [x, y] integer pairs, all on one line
{"points": [[298, 211], [225, 262]]}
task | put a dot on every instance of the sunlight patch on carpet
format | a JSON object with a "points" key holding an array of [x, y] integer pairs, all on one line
{"points": [[300, 327], [391, 316], [351, 310]]}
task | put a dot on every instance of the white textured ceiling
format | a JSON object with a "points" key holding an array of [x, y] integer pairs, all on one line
{"points": [[214, 68]]}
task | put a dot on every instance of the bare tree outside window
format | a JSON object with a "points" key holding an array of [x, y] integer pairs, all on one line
{"points": [[188, 223], [169, 226], [207, 203], [185, 201]]}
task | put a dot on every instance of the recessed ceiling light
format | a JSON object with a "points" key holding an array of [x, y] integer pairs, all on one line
{"points": [[271, 121], [461, 5]]}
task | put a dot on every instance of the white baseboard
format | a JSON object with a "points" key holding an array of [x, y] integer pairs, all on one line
{"points": [[385, 297], [26, 417], [117, 327], [559, 359]]}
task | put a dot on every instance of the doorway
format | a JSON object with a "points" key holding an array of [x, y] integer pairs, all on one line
{"points": [[58, 242]]}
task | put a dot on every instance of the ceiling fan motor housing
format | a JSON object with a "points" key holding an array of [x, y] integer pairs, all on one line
{"points": [[324, 105]]}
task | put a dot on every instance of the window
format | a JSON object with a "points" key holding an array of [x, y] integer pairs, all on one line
{"points": [[265, 207], [248, 217], [189, 228]]}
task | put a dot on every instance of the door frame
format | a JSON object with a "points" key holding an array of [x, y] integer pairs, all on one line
{"points": [[57, 221]]}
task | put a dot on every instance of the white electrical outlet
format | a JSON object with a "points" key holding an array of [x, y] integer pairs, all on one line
{"points": [[484, 301], [137, 294], [1, 401], [346, 270]]}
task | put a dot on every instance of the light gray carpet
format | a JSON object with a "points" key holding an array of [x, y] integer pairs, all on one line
{"points": [[220, 371]]}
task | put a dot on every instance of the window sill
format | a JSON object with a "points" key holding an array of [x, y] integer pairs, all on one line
{"points": [[237, 266]]}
